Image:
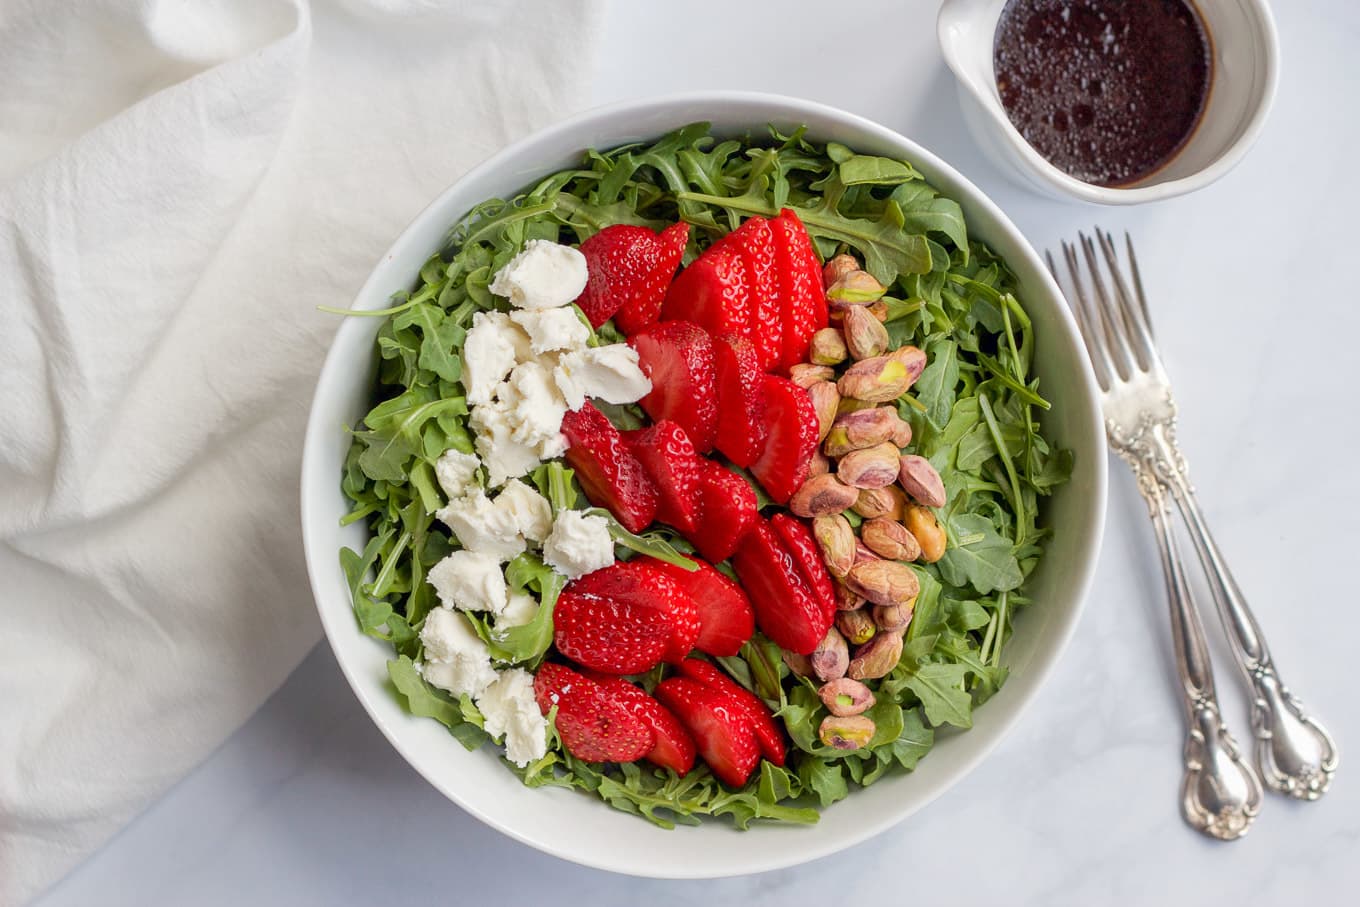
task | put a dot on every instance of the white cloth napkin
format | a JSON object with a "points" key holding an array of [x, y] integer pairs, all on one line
{"points": [[181, 184]]}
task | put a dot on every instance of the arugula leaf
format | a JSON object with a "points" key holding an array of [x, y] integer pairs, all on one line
{"points": [[461, 718], [940, 689], [979, 556]]}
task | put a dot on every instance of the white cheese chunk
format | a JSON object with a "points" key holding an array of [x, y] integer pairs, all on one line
{"points": [[493, 346], [554, 447], [527, 510], [508, 708], [579, 543], [455, 472], [553, 329], [609, 372], [483, 526], [456, 659], [470, 581], [544, 275], [519, 610], [538, 407], [494, 425]]}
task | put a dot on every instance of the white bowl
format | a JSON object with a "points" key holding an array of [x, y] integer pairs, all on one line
{"points": [[575, 826], [1245, 72]]}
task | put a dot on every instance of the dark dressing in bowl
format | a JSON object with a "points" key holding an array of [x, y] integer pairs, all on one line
{"points": [[1106, 90]]}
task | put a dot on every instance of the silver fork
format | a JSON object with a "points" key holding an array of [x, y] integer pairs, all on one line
{"points": [[1220, 794]]}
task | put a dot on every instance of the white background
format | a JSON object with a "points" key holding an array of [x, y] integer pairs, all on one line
{"points": [[1253, 291]]}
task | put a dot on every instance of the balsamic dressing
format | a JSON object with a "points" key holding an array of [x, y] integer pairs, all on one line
{"points": [[1107, 90]]}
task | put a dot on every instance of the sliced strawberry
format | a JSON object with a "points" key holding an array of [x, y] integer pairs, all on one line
{"points": [[786, 607], [609, 474], [768, 735], [790, 438], [711, 292], [729, 510], [797, 537], [754, 241], [741, 406], [594, 725], [802, 296], [674, 747], [678, 357], [722, 732], [616, 637], [629, 269], [726, 619], [639, 584], [668, 456]]}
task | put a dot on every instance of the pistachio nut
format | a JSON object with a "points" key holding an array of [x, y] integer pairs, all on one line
{"points": [[883, 582], [877, 379], [845, 599], [857, 627], [827, 347], [890, 539], [876, 658], [836, 540], [862, 553], [920, 522], [850, 732], [871, 467], [893, 618], [920, 480], [822, 495], [888, 501], [867, 427], [837, 268], [798, 664], [856, 286], [865, 335], [846, 697], [819, 464], [831, 658], [879, 310], [850, 404], [910, 358], [825, 399], [805, 374]]}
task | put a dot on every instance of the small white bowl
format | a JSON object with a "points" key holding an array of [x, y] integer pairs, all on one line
{"points": [[580, 828], [1245, 71]]}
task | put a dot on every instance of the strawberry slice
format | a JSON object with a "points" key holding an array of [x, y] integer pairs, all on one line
{"points": [[754, 240], [802, 296], [594, 725], [668, 456], [768, 735], [678, 357], [628, 271], [741, 407], [721, 730], [616, 637], [798, 538], [674, 747], [786, 607], [790, 430], [711, 292], [726, 619], [729, 510], [639, 584], [608, 472]]}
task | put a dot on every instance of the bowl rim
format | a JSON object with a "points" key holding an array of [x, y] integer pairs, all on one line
{"points": [[1037, 167], [1037, 672]]}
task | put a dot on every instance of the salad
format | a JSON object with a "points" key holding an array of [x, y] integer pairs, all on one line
{"points": [[704, 478]]}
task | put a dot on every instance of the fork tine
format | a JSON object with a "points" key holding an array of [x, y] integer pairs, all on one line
{"points": [[1081, 307], [1138, 285], [1135, 330], [1121, 357]]}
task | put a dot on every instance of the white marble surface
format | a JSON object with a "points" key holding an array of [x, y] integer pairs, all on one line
{"points": [[1252, 288]]}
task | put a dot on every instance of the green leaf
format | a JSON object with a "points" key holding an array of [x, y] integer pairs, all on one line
{"points": [[877, 171], [935, 387], [825, 779], [422, 700], [940, 689], [984, 559]]}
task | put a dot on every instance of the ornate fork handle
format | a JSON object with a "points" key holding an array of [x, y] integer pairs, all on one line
{"points": [[1295, 753], [1220, 793]]}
